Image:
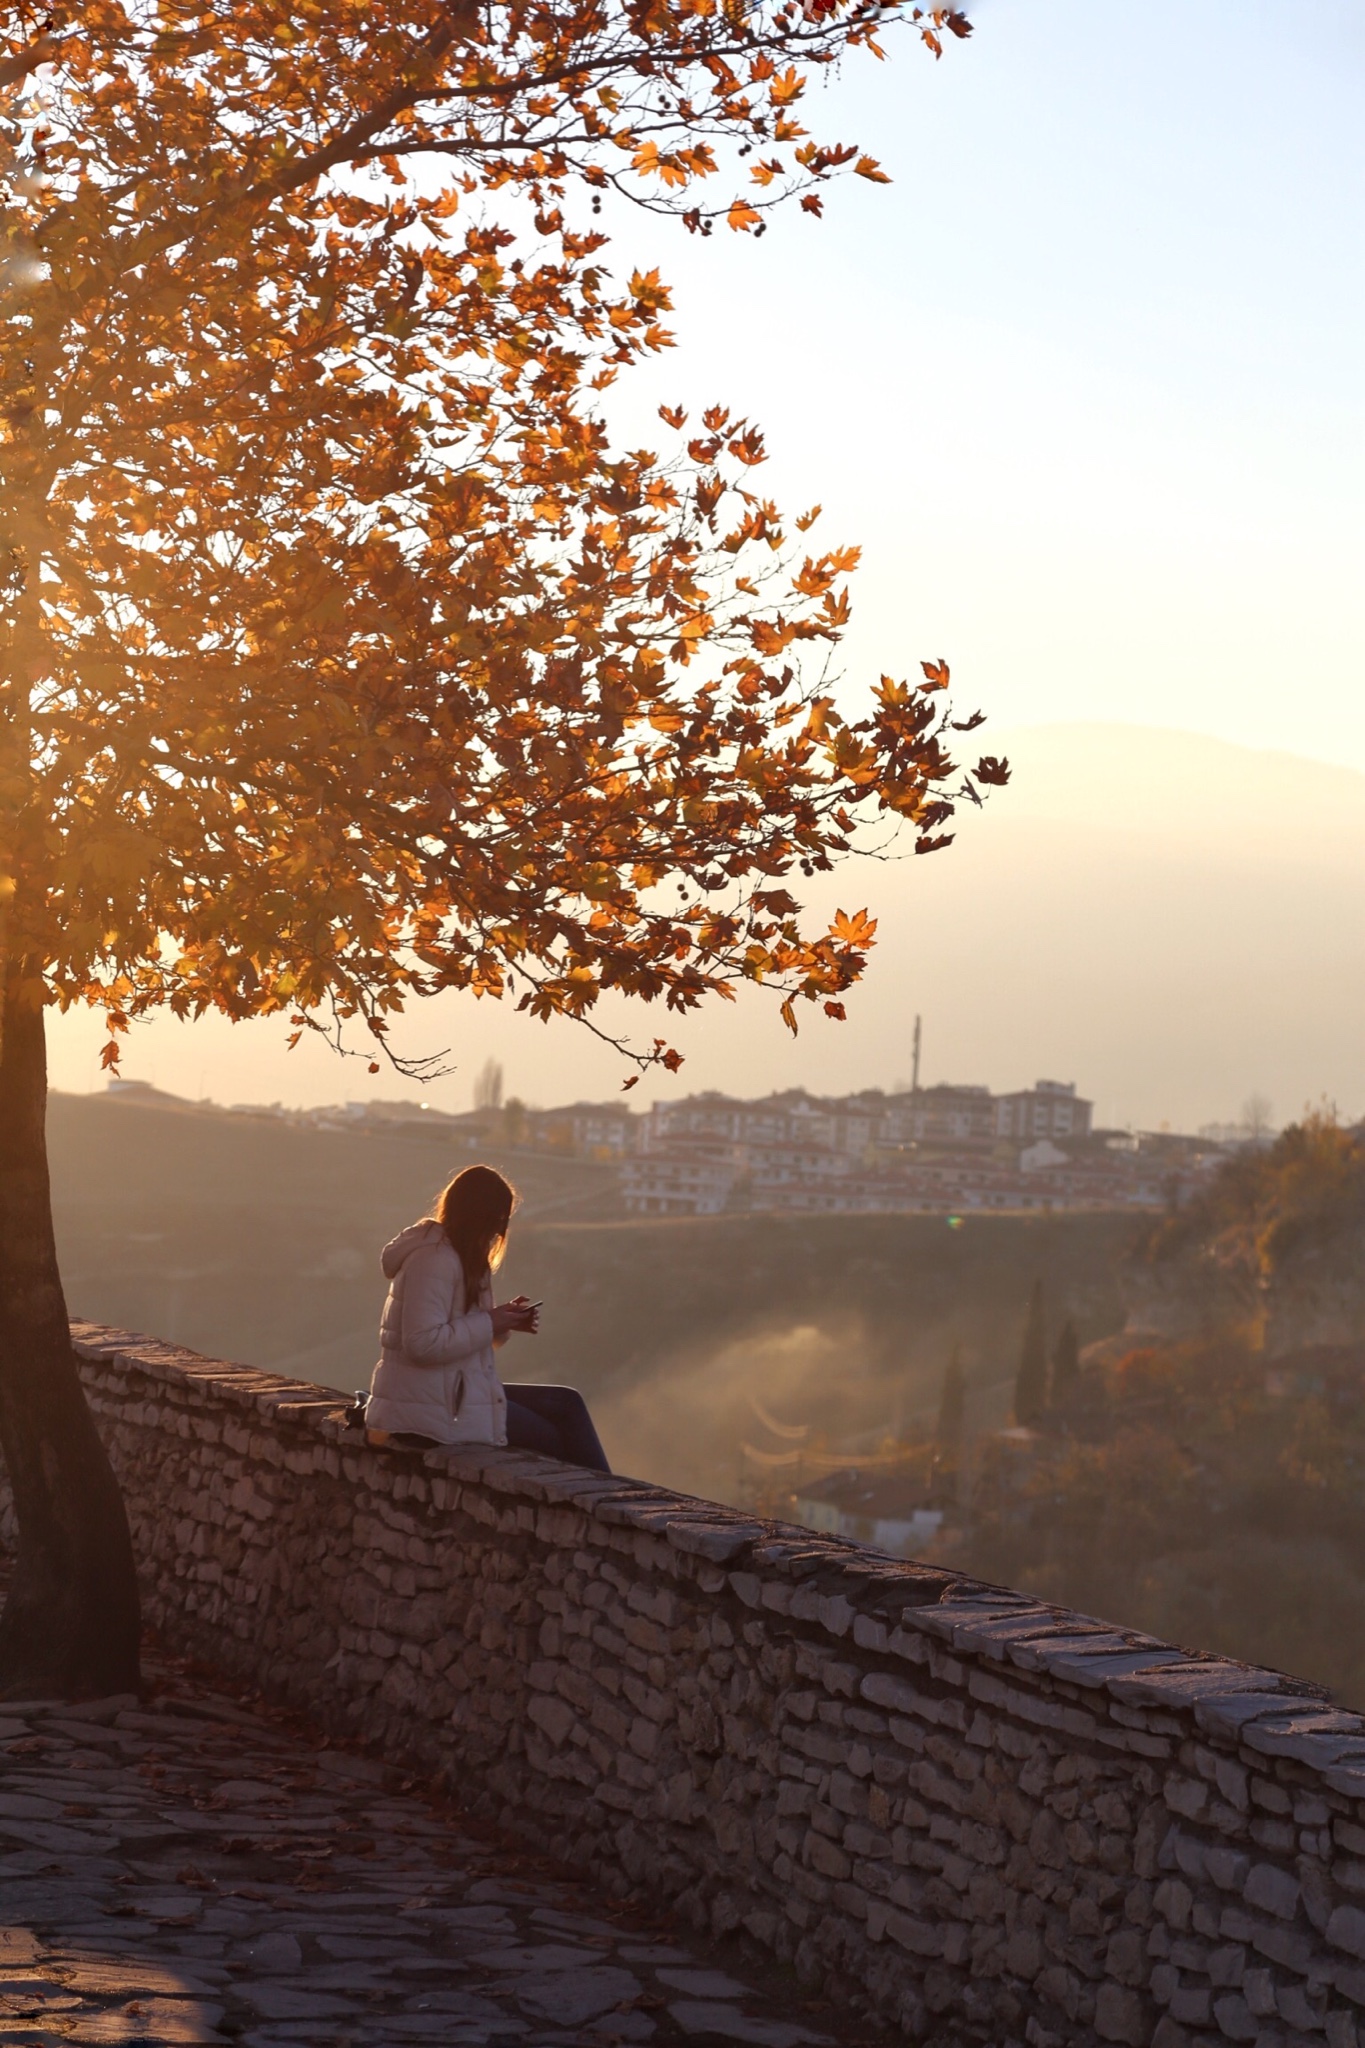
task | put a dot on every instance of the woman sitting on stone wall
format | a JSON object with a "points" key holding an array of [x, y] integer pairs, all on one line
{"points": [[437, 1382]]}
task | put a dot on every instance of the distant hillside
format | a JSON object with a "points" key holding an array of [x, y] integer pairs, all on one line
{"points": [[258, 1240]]}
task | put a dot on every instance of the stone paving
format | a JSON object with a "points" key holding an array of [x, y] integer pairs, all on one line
{"points": [[190, 1868]]}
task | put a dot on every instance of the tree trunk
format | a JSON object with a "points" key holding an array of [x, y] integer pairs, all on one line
{"points": [[70, 1628]]}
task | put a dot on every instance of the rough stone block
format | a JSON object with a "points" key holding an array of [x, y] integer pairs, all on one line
{"points": [[825, 1856], [1125, 1958], [552, 1714], [1346, 1930], [1279, 1836], [917, 1937], [1228, 1868], [1186, 1796], [1295, 2008], [1191, 2004], [1164, 1982], [884, 1689], [1120, 2015], [1235, 2018], [1272, 1890], [1258, 1989], [1173, 1899], [718, 1541]]}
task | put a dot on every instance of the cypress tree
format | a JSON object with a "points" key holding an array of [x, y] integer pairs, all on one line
{"points": [[1030, 1385], [1066, 1362], [951, 1408]]}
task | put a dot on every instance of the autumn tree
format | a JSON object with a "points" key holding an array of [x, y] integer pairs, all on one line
{"points": [[952, 1409], [343, 657], [488, 1085]]}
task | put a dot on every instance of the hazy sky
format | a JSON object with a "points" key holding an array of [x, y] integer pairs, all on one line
{"points": [[1086, 381], [1086, 384]]}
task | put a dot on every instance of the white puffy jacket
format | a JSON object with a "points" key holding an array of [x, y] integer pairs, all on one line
{"points": [[436, 1377]]}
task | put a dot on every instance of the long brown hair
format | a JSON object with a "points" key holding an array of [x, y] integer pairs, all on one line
{"points": [[474, 1210]]}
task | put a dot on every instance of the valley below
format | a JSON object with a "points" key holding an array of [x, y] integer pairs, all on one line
{"points": [[258, 1240]]}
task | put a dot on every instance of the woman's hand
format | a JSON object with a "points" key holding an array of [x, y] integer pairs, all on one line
{"points": [[517, 1315]]}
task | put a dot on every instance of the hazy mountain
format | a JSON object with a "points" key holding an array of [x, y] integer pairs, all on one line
{"points": [[1171, 921]]}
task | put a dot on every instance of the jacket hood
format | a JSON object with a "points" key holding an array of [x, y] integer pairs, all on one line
{"points": [[399, 1249]]}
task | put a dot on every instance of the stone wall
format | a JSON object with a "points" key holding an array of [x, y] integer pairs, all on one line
{"points": [[971, 1813]]}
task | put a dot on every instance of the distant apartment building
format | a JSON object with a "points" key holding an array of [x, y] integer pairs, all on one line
{"points": [[677, 1184], [1050, 1109], [946, 1114], [791, 1120], [710, 1117], [797, 1176], [593, 1130]]}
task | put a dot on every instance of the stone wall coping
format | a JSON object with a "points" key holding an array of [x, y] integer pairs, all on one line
{"points": [[836, 1585]]}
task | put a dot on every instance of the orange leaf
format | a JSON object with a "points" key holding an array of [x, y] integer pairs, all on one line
{"points": [[855, 929], [742, 216]]}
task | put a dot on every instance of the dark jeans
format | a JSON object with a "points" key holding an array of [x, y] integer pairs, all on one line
{"points": [[554, 1421]]}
